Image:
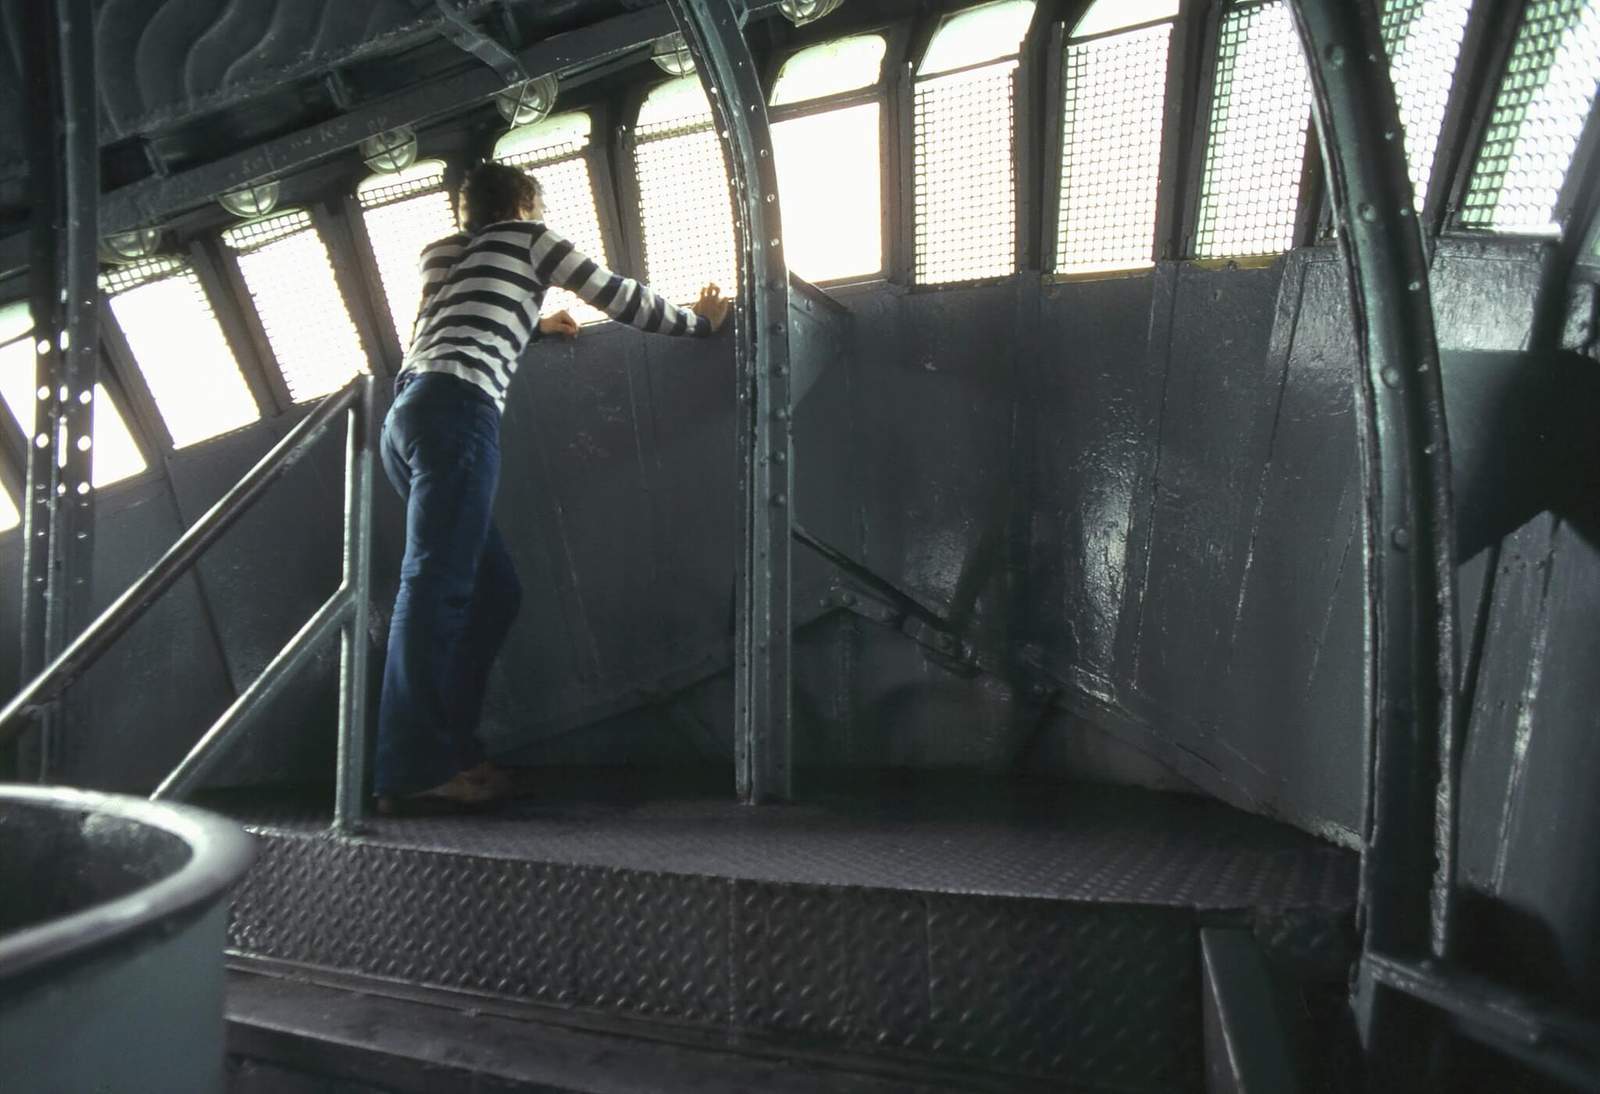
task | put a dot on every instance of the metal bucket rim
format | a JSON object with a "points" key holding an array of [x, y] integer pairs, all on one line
{"points": [[219, 854]]}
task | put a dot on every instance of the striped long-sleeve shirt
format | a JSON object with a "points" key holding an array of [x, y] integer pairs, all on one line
{"points": [[481, 294]]}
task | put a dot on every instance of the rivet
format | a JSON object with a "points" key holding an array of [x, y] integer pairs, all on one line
{"points": [[848, 599], [780, 500], [1391, 376], [780, 457], [1401, 538], [780, 370], [1366, 212], [1335, 55], [778, 328], [1414, 286], [782, 414]]}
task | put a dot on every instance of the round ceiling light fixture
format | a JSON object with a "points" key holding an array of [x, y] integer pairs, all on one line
{"points": [[671, 55], [528, 102], [390, 151], [801, 12], [249, 202], [128, 247]]}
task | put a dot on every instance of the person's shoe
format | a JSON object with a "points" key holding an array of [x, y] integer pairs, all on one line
{"points": [[470, 791]]}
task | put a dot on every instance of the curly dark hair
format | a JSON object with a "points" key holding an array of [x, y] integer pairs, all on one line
{"points": [[493, 192]]}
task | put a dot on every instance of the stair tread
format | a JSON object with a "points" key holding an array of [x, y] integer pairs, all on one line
{"points": [[1074, 842]]}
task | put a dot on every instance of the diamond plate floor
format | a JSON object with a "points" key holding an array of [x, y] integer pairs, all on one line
{"points": [[1045, 931], [939, 834]]}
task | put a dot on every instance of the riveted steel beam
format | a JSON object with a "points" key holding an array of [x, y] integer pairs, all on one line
{"points": [[762, 717], [58, 502], [1408, 869]]}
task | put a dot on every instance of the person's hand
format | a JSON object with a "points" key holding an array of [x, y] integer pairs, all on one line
{"points": [[712, 306], [561, 324]]}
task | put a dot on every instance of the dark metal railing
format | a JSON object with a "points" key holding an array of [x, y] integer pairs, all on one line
{"points": [[344, 611]]}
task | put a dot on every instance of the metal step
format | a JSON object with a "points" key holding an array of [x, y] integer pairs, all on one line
{"points": [[1044, 932]]}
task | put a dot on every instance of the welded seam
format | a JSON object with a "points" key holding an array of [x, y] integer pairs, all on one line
{"points": [[1522, 733], [1287, 349], [1333, 602], [1137, 638]]}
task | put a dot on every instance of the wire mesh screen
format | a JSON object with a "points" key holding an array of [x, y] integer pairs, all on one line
{"points": [[398, 231], [286, 267], [1423, 38], [569, 208], [384, 189], [1260, 113], [180, 349], [965, 176], [1115, 97], [1539, 111], [685, 209]]}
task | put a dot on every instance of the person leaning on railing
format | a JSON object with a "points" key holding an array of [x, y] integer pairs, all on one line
{"points": [[481, 296]]}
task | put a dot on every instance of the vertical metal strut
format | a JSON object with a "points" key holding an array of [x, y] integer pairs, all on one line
{"points": [[352, 757], [64, 184], [1408, 866], [766, 467]]}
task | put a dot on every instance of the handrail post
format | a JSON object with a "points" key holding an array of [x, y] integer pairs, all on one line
{"points": [[349, 795]]}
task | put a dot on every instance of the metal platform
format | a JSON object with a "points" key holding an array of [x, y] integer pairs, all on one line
{"points": [[1047, 932]]}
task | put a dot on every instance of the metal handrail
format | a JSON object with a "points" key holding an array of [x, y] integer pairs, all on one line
{"points": [[346, 609]]}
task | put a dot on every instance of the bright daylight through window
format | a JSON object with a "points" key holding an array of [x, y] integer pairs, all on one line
{"points": [[116, 456], [684, 205], [1539, 111], [286, 268], [829, 170], [404, 212], [1260, 115], [554, 151], [1423, 38], [180, 349], [9, 517], [1115, 90], [964, 175]]}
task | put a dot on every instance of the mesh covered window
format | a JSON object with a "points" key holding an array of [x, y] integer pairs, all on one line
{"points": [[404, 212], [1114, 89], [1423, 38], [553, 152], [290, 277], [963, 167], [1544, 97], [831, 68], [1105, 16], [1260, 114], [116, 455], [684, 207], [180, 349]]}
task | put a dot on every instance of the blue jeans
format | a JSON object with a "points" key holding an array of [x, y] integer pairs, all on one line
{"points": [[458, 588]]}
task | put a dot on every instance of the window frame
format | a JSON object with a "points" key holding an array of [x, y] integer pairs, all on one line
{"points": [[1025, 145], [896, 40], [365, 262], [1310, 193], [1176, 87]]}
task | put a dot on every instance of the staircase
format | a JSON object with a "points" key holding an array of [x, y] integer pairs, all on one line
{"points": [[942, 933]]}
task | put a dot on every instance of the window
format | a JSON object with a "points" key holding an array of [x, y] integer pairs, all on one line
{"points": [[290, 277], [964, 175], [832, 68], [684, 207], [1539, 112], [180, 349], [830, 161], [9, 517], [116, 456], [1260, 114], [1115, 90], [554, 151], [404, 212], [1423, 38]]}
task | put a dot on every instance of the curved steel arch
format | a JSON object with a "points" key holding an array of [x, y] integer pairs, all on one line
{"points": [[1408, 868], [762, 716]]}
